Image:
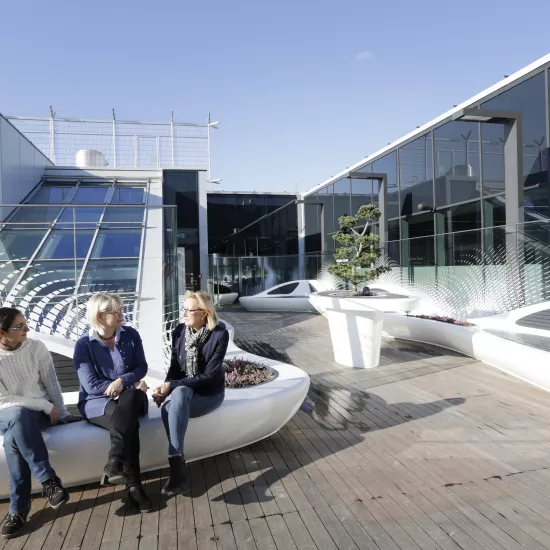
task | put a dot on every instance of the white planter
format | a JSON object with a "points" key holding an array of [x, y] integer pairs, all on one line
{"points": [[456, 337], [355, 324], [78, 451], [519, 360], [356, 336]]}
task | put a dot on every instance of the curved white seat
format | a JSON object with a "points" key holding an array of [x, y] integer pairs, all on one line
{"points": [[79, 450]]}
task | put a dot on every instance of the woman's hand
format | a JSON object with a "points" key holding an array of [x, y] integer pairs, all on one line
{"points": [[115, 388], [142, 386], [54, 416], [161, 393]]}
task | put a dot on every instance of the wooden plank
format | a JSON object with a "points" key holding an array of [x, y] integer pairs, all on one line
{"points": [[224, 537], [243, 535], [297, 529], [231, 494], [201, 506], [81, 518], [206, 538], [187, 539], [216, 498], [280, 533], [244, 486], [316, 530], [262, 534], [62, 522]]}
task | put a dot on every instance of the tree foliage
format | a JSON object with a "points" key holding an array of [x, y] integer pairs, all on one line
{"points": [[358, 249]]}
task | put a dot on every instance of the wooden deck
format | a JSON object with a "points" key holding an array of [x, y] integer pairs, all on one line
{"points": [[429, 451]]}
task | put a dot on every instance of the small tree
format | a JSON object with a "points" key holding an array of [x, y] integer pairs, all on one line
{"points": [[359, 251]]}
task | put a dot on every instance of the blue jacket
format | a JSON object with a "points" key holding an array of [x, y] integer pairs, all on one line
{"points": [[96, 370], [211, 381]]}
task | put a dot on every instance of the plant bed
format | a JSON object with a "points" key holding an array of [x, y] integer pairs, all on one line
{"points": [[443, 319], [242, 373]]}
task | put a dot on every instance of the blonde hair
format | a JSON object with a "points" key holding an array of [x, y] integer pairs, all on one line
{"points": [[102, 302], [205, 302]]}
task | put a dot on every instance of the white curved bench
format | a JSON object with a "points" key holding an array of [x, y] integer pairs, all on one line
{"points": [[79, 450]]}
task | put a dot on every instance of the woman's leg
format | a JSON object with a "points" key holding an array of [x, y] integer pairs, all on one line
{"points": [[204, 404], [26, 452], [175, 415]]}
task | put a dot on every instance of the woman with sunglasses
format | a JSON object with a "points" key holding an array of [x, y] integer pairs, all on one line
{"points": [[110, 363], [195, 381], [30, 402]]}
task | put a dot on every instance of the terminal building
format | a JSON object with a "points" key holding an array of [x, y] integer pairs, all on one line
{"points": [[124, 206]]}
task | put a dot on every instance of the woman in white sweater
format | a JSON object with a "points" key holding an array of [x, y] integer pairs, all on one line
{"points": [[30, 401]]}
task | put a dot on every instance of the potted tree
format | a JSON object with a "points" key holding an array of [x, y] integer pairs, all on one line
{"points": [[356, 259], [354, 319]]}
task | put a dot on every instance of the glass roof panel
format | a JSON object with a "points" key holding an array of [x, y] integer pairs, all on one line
{"points": [[117, 243], [123, 215], [128, 195], [30, 215], [90, 195], [61, 244], [85, 216], [118, 276], [19, 244], [52, 195]]}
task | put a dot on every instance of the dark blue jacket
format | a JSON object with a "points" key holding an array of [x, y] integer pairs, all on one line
{"points": [[96, 370], [211, 379]]}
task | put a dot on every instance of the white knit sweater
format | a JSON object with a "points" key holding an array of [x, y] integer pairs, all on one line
{"points": [[27, 379]]}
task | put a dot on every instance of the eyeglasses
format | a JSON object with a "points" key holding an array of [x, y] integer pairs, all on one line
{"points": [[21, 327], [185, 310], [116, 312]]}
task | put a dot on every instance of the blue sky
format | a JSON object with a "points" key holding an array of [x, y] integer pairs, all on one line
{"points": [[302, 88]]}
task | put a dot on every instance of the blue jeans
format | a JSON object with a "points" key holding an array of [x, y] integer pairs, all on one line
{"points": [[25, 453], [184, 404]]}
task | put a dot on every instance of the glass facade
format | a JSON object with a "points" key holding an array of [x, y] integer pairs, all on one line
{"points": [[231, 213], [445, 187], [55, 250]]}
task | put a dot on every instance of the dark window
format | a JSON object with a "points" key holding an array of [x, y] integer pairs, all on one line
{"points": [[342, 200], [117, 243], [416, 175], [90, 195], [285, 289], [19, 244], [463, 217], [388, 165], [312, 288], [457, 172]]}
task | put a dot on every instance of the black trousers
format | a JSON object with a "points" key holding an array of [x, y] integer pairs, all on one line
{"points": [[121, 418]]}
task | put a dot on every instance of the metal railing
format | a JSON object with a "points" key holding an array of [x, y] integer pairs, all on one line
{"points": [[124, 143]]}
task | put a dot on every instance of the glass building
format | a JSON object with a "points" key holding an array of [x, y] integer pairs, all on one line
{"points": [[469, 188]]}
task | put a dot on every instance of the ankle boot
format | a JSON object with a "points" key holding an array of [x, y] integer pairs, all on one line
{"points": [[137, 499], [177, 481], [114, 471]]}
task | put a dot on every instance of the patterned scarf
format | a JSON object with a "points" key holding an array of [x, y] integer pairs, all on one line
{"points": [[193, 344]]}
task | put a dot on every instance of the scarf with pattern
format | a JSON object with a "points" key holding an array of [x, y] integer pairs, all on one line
{"points": [[194, 341]]}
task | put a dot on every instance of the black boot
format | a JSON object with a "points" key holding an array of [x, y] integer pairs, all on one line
{"points": [[176, 483], [114, 471], [14, 524], [137, 498], [55, 492]]}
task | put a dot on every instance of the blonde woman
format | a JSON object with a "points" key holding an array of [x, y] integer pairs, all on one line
{"points": [[195, 381], [110, 363]]}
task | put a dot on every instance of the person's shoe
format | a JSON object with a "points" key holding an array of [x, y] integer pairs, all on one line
{"points": [[138, 499], [55, 492], [14, 524], [176, 483], [114, 471]]}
